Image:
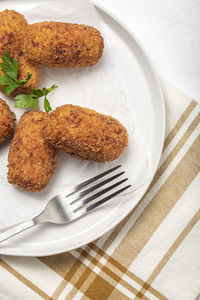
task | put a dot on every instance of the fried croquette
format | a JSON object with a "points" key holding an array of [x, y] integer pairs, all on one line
{"points": [[31, 160], [12, 29], [7, 119], [86, 134], [12, 26], [62, 45]]}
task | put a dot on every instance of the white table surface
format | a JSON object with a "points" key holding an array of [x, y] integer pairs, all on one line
{"points": [[170, 32]]}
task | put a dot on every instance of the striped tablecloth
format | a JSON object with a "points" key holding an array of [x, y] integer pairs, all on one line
{"points": [[153, 254]]}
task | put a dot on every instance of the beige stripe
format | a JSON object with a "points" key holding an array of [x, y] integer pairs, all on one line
{"points": [[159, 207], [116, 295], [179, 123], [24, 280], [171, 251], [109, 241], [175, 151], [72, 294], [59, 263]]}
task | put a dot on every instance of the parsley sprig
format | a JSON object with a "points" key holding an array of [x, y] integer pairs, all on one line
{"points": [[9, 78], [32, 100], [10, 82]]}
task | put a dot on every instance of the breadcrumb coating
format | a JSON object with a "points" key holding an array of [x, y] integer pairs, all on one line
{"points": [[86, 134], [12, 29], [31, 160], [63, 45], [7, 119]]}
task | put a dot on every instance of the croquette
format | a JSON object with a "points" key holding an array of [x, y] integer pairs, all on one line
{"points": [[85, 133], [31, 160], [63, 45], [12, 29], [7, 119]]}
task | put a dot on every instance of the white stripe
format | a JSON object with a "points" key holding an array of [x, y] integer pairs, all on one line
{"points": [[167, 232], [131, 282], [103, 261], [179, 134], [78, 296], [93, 254], [11, 286], [150, 296], [153, 192], [65, 292], [123, 290], [35, 271], [85, 261], [96, 269]]}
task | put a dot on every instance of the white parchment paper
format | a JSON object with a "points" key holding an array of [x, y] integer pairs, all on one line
{"points": [[98, 87]]}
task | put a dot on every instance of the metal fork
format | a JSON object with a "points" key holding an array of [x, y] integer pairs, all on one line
{"points": [[71, 205]]}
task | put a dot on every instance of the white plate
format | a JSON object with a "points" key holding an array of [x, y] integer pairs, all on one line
{"points": [[135, 67]]}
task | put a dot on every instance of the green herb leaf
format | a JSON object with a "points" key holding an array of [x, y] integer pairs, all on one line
{"points": [[47, 91], [37, 93], [28, 77], [9, 79], [9, 89], [44, 91], [9, 85], [47, 105], [6, 80], [26, 101], [9, 67]]}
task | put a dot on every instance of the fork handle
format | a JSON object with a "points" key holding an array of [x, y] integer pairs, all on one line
{"points": [[17, 228]]}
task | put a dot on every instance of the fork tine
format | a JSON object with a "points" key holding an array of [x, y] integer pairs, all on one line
{"points": [[85, 183], [98, 194], [93, 188], [100, 202]]}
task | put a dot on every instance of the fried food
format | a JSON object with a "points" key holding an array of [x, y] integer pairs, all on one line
{"points": [[31, 160], [62, 45], [86, 134], [12, 26], [7, 119], [12, 29]]}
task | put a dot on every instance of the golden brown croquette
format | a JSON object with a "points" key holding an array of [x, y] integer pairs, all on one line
{"points": [[12, 29], [63, 45], [31, 160], [7, 119], [85, 133]]}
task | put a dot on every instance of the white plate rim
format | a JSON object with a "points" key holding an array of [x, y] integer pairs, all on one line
{"points": [[11, 252]]}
